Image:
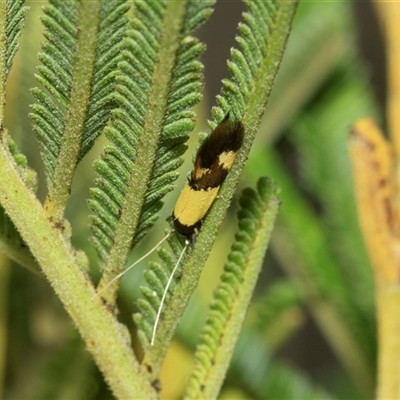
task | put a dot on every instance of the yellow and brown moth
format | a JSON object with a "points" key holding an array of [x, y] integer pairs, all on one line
{"points": [[214, 159]]}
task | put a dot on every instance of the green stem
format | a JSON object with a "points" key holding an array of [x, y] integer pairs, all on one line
{"points": [[106, 339], [60, 188]]}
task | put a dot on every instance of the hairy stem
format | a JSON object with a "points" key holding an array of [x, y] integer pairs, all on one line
{"points": [[106, 339]]}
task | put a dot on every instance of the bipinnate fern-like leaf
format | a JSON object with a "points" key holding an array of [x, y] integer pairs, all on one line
{"points": [[232, 296], [112, 29], [77, 76], [55, 75], [158, 84]]}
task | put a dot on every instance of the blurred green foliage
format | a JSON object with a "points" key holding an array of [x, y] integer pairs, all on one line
{"points": [[322, 87]]}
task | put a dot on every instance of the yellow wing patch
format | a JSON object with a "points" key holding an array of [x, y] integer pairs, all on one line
{"points": [[227, 158], [192, 205]]}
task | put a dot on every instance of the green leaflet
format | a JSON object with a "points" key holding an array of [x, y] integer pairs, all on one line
{"points": [[246, 61], [77, 77], [55, 75], [15, 19], [232, 296], [159, 81], [254, 368], [12, 16], [112, 27]]}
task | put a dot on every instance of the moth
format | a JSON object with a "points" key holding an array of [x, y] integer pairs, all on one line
{"points": [[214, 159]]}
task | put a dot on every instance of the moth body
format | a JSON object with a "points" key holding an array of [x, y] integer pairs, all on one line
{"points": [[214, 159]]}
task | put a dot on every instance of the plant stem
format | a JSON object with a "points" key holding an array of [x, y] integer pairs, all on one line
{"points": [[388, 299], [105, 338]]}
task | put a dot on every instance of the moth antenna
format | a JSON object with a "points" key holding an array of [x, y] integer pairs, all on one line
{"points": [[153, 335], [135, 263]]}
